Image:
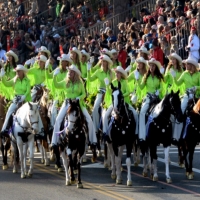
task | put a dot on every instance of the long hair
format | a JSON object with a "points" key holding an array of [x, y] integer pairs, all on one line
{"points": [[8, 65], [109, 71], [76, 78], [170, 65], [77, 62], [157, 74], [145, 56]]}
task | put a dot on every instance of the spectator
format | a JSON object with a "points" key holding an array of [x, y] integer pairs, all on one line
{"points": [[157, 52], [58, 8], [122, 55], [20, 9]]}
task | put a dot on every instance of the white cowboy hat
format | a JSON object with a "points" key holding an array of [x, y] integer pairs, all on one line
{"points": [[143, 50], [42, 58], [113, 51], [75, 69], [106, 52], [121, 70], [141, 60], [154, 61], [176, 56], [85, 54], [20, 68], [106, 58], [11, 53], [65, 57], [74, 49], [193, 62], [44, 49]]}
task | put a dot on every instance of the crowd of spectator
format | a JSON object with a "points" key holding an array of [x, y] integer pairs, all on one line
{"points": [[28, 32]]}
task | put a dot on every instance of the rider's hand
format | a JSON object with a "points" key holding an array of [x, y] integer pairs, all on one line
{"points": [[56, 72], [28, 62], [91, 60], [89, 65], [128, 68], [136, 74], [162, 70], [2, 73], [47, 64]]}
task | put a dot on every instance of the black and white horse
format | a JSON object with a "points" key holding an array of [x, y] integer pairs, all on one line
{"points": [[122, 134], [190, 137], [159, 131], [72, 141]]}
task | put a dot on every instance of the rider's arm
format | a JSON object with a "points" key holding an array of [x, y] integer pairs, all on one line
{"points": [[126, 89], [31, 71], [9, 83], [28, 88], [180, 80], [142, 83], [48, 74], [131, 76], [59, 85], [83, 94], [93, 77]]}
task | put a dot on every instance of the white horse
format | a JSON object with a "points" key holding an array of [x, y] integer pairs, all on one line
{"points": [[25, 125]]}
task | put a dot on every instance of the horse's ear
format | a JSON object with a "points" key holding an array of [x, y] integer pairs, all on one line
{"points": [[178, 92], [172, 92], [112, 87], [30, 105], [70, 101], [119, 85]]}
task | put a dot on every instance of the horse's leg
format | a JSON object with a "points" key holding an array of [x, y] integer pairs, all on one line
{"points": [[136, 154], [112, 156], [74, 158], [153, 154], [168, 178], [118, 165], [25, 148], [106, 156], [84, 158], [41, 150], [185, 153], [45, 150], [21, 155], [191, 154], [14, 156], [57, 154], [181, 157], [65, 164], [129, 147], [81, 150], [4, 167], [145, 173], [69, 153], [31, 155], [6, 148]]}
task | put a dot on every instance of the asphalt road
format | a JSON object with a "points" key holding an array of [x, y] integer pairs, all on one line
{"points": [[47, 183]]}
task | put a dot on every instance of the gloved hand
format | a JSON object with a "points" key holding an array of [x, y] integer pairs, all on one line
{"points": [[136, 74], [157, 93], [89, 65], [128, 68], [106, 80], [2, 73], [91, 60], [173, 73], [56, 72], [132, 60], [22, 98], [134, 98], [47, 64], [28, 62], [162, 70], [32, 61]]}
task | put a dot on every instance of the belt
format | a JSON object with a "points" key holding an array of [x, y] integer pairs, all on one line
{"points": [[101, 90]]}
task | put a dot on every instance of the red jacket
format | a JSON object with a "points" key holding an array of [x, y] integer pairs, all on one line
{"points": [[122, 58], [158, 55]]}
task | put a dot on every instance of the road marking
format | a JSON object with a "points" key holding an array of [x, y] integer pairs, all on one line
{"points": [[99, 189], [95, 165]]}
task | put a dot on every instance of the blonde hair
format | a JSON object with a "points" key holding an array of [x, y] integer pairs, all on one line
{"points": [[76, 79], [77, 62], [179, 67], [109, 70]]}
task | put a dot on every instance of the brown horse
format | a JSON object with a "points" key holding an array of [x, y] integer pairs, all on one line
{"points": [[4, 142]]}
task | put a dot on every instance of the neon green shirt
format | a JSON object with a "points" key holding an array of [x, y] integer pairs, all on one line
{"points": [[37, 75], [84, 70]]}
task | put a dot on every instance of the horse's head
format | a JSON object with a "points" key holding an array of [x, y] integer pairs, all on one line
{"points": [[33, 116], [45, 93], [73, 114], [175, 104], [117, 98], [196, 108]]}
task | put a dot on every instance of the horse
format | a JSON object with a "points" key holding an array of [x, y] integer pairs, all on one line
{"points": [[73, 139], [122, 134], [190, 137], [25, 126], [159, 131], [4, 141]]}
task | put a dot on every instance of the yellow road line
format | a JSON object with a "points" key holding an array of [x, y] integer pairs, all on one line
{"points": [[99, 189]]}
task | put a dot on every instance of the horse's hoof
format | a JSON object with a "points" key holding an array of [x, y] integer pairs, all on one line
{"points": [[73, 182], [119, 181], [37, 150], [113, 177], [99, 154], [60, 169], [68, 183], [106, 165], [84, 160], [79, 185], [23, 176], [29, 175], [144, 174], [182, 165], [42, 161], [129, 183], [5, 167], [155, 178], [52, 158], [47, 163], [187, 174], [122, 169], [93, 160], [75, 171], [169, 180], [14, 171], [191, 176]]}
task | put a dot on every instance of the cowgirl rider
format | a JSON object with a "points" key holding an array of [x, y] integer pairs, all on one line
{"points": [[74, 89], [153, 81], [121, 77], [21, 87], [191, 81], [100, 75]]}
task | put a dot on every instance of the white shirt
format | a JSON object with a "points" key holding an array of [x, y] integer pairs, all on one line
{"points": [[3, 55], [193, 43]]}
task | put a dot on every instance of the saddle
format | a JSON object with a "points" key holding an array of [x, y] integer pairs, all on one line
{"points": [[154, 100]]}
